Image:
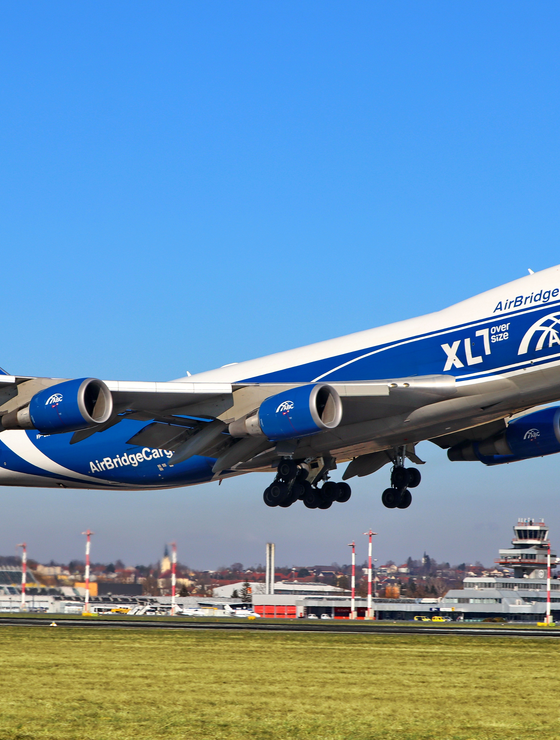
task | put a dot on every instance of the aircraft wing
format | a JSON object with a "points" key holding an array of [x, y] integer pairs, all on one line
{"points": [[193, 418], [217, 405]]}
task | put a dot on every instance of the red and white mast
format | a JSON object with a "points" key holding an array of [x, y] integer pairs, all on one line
{"points": [[23, 573], [548, 615], [370, 552], [353, 602], [88, 534], [173, 577]]}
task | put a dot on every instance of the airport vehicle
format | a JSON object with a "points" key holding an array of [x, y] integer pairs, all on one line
{"points": [[437, 618], [468, 378], [312, 616], [422, 619], [325, 616]]}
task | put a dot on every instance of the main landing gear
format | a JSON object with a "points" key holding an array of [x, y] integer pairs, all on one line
{"points": [[291, 485], [398, 496]]}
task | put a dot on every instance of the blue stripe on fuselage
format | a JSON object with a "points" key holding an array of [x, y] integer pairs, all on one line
{"points": [[467, 350]]}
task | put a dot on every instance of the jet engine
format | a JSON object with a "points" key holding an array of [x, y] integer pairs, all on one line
{"points": [[534, 435], [65, 407], [299, 412]]}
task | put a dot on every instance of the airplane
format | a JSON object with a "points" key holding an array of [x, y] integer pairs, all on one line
{"points": [[476, 379]]}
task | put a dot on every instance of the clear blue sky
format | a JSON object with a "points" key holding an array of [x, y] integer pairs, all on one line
{"points": [[184, 185]]}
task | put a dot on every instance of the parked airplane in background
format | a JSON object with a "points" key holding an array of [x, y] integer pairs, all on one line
{"points": [[460, 377]]}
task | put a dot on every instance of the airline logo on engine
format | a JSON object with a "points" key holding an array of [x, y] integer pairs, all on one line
{"points": [[55, 398], [546, 329], [531, 434], [284, 407]]}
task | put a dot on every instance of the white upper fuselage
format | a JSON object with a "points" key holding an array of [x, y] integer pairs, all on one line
{"points": [[344, 358]]}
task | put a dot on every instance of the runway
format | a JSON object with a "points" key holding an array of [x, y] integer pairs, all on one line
{"points": [[222, 624]]}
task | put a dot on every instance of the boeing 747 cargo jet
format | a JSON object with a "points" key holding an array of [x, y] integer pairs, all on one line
{"points": [[467, 378]]}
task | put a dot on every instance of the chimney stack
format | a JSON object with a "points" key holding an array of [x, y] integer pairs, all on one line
{"points": [[269, 568]]}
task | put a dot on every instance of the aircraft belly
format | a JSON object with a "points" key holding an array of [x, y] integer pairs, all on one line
{"points": [[105, 461]]}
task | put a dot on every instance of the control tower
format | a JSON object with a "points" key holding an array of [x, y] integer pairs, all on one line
{"points": [[527, 557]]}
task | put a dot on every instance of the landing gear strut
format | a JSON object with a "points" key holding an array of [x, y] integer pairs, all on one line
{"points": [[398, 496], [291, 484]]}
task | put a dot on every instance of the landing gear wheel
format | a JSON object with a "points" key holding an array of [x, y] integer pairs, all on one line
{"points": [[344, 493], [267, 499], [399, 477], [312, 498], [287, 470], [405, 499], [329, 491], [289, 500], [414, 477], [389, 498], [326, 501], [300, 488], [278, 492]]}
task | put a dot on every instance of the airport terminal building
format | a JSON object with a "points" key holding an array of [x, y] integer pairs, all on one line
{"points": [[522, 597]]}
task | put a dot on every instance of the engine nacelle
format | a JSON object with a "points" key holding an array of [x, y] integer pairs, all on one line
{"points": [[299, 412], [534, 435], [65, 407]]}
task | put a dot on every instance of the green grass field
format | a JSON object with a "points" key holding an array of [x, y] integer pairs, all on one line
{"points": [[97, 684]]}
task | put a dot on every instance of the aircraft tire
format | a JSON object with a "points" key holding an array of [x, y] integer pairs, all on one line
{"points": [[326, 502], [329, 491], [288, 501], [300, 488], [405, 499], [266, 498], [414, 477], [399, 477], [389, 498], [344, 493], [279, 491], [312, 498], [287, 470]]}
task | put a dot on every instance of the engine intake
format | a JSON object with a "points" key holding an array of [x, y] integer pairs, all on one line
{"points": [[65, 407], [534, 435], [299, 412]]}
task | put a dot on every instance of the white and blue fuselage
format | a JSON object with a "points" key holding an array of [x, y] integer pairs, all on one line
{"points": [[503, 344]]}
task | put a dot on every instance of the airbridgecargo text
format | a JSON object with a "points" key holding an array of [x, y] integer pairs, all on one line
{"points": [[543, 296], [131, 458]]}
